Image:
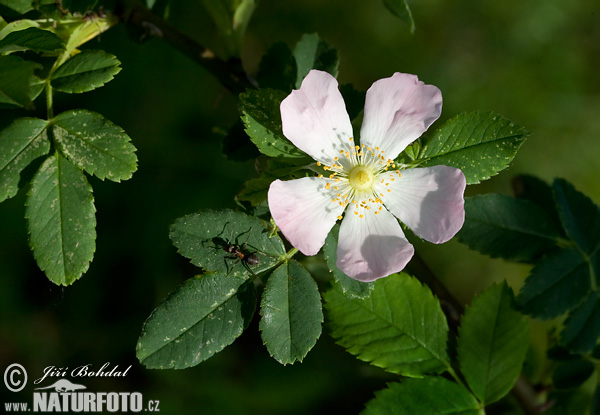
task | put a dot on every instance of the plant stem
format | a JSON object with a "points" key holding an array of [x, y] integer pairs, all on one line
{"points": [[230, 73], [523, 391]]}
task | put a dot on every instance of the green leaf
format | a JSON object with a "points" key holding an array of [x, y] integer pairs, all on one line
{"points": [[277, 68], [17, 75], [537, 191], [95, 144], [21, 142], [481, 144], [570, 375], [20, 6], [291, 313], [32, 38], [255, 190], [313, 53], [509, 228], [261, 116], [85, 71], [350, 287], [400, 9], [197, 320], [427, 396], [579, 215], [61, 220], [202, 237], [400, 326], [556, 285], [582, 327], [492, 344]]}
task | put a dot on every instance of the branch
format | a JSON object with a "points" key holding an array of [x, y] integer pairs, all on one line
{"points": [[523, 391], [229, 73]]}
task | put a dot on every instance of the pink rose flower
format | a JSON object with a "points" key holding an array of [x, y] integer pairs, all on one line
{"points": [[364, 187]]}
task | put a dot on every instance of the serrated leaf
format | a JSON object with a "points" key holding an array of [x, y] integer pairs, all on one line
{"points": [[400, 9], [197, 320], [313, 53], [202, 237], [492, 344], [427, 396], [537, 191], [261, 116], [32, 38], [570, 375], [350, 287], [580, 217], [21, 142], [95, 144], [557, 284], [481, 144], [277, 68], [509, 228], [61, 220], [85, 72], [400, 326], [17, 75], [582, 327], [291, 313]]}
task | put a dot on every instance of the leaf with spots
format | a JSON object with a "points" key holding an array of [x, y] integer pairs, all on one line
{"points": [[61, 220], [291, 313], [481, 144], [262, 119], [400, 326], [95, 144], [204, 236], [23, 141], [85, 71], [197, 320]]}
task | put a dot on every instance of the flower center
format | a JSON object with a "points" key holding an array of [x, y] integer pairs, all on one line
{"points": [[361, 178]]}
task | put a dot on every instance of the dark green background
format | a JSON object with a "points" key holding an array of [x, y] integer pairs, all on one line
{"points": [[535, 62]]}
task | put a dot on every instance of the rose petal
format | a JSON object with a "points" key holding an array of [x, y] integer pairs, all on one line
{"points": [[304, 212], [430, 201], [397, 111], [315, 119], [373, 246]]}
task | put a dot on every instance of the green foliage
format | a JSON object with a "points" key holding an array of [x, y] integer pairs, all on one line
{"points": [[492, 343], [61, 220], [15, 82], [197, 320], [261, 116], [427, 396], [313, 53], [582, 327], [32, 38], [481, 144], [19, 6], [571, 374], [505, 227], [291, 313], [400, 9], [21, 142], [579, 215], [556, 285], [202, 237], [95, 145], [277, 68], [85, 71], [231, 19], [350, 287], [400, 326]]}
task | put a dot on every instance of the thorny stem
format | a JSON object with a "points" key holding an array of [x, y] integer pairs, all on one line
{"points": [[229, 73], [523, 391]]}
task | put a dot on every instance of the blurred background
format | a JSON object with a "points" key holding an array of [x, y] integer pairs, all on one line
{"points": [[535, 62]]}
